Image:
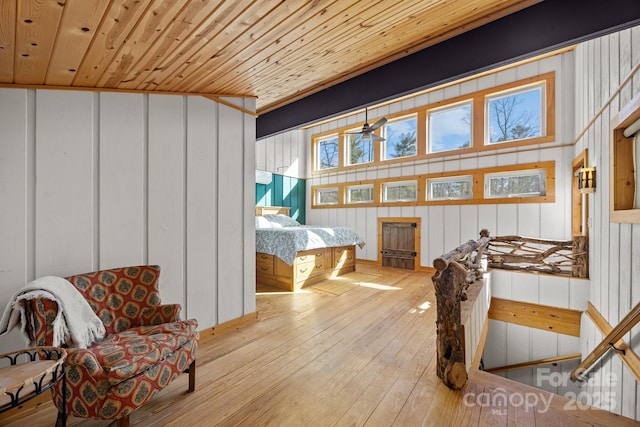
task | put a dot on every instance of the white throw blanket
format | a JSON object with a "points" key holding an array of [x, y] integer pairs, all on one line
{"points": [[75, 318]]}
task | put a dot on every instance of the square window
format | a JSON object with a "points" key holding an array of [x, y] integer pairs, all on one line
{"points": [[360, 194], [403, 191], [359, 149], [450, 128], [400, 138], [454, 188], [327, 196], [327, 152], [528, 183], [515, 115]]}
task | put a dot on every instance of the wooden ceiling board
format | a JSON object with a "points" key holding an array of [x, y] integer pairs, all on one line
{"points": [[8, 12], [119, 20], [276, 40], [275, 50], [246, 48], [352, 56], [302, 39], [145, 34], [218, 46], [285, 34], [349, 42], [192, 49], [159, 55], [80, 20], [36, 26]]}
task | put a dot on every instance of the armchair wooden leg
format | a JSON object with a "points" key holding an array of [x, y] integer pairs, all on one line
{"points": [[192, 377], [61, 421], [123, 422]]}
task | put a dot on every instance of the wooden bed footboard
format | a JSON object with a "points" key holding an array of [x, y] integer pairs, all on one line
{"points": [[309, 267]]}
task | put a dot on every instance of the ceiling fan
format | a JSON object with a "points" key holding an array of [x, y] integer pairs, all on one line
{"points": [[367, 130]]}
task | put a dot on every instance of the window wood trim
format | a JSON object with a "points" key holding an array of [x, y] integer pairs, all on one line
{"points": [[576, 197], [478, 145], [478, 188], [621, 166]]}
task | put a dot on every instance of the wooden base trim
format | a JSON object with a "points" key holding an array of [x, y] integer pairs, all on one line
{"points": [[429, 270], [545, 317], [547, 361], [629, 358], [232, 325], [367, 261], [475, 363]]}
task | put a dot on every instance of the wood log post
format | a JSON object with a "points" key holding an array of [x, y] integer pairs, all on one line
{"points": [[449, 285], [580, 251]]}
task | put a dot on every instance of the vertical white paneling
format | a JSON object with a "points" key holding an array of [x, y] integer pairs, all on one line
{"points": [[13, 183], [99, 180], [507, 220], [544, 344], [202, 210], [469, 229], [451, 228], [601, 66], [122, 183], [435, 234], [64, 199], [14, 215], [517, 339], [495, 349], [230, 222], [524, 287], [167, 196], [248, 180], [554, 291]]}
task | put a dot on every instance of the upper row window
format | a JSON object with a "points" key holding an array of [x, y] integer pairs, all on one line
{"points": [[514, 114], [400, 138]]}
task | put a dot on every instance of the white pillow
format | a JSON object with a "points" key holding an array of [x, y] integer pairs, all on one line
{"points": [[280, 221], [262, 222]]}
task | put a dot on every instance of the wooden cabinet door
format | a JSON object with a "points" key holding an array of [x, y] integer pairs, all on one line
{"points": [[399, 244]]}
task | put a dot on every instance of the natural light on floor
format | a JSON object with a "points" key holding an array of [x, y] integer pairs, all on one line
{"points": [[421, 308], [378, 286]]}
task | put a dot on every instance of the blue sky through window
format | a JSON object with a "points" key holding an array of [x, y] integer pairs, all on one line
{"points": [[450, 128], [395, 132], [515, 115]]}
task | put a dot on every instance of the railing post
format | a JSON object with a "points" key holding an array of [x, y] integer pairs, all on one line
{"points": [[580, 251], [450, 282]]}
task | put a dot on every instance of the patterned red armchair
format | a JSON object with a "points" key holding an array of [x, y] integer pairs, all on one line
{"points": [[145, 347]]}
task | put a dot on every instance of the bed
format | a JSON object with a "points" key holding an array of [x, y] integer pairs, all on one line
{"points": [[290, 256]]}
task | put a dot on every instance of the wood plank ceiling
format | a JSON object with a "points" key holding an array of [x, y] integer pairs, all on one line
{"points": [[276, 50]]}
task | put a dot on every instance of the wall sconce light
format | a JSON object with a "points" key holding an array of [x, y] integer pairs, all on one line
{"points": [[587, 180]]}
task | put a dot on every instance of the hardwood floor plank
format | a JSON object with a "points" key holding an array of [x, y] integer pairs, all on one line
{"points": [[363, 358]]}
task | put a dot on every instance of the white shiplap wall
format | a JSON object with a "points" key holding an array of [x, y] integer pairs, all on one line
{"points": [[94, 180], [602, 67], [284, 154]]}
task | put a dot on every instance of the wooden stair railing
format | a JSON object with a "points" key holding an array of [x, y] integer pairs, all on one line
{"points": [[455, 271], [608, 342]]}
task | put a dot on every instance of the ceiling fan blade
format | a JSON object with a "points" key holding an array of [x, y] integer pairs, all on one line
{"points": [[377, 124], [377, 138]]}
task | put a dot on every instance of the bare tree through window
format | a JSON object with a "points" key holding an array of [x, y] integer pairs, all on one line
{"points": [[515, 116]]}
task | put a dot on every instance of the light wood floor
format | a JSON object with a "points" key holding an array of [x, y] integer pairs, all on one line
{"points": [[363, 355]]}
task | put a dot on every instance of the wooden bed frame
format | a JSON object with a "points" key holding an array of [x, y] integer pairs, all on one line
{"points": [[309, 267]]}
